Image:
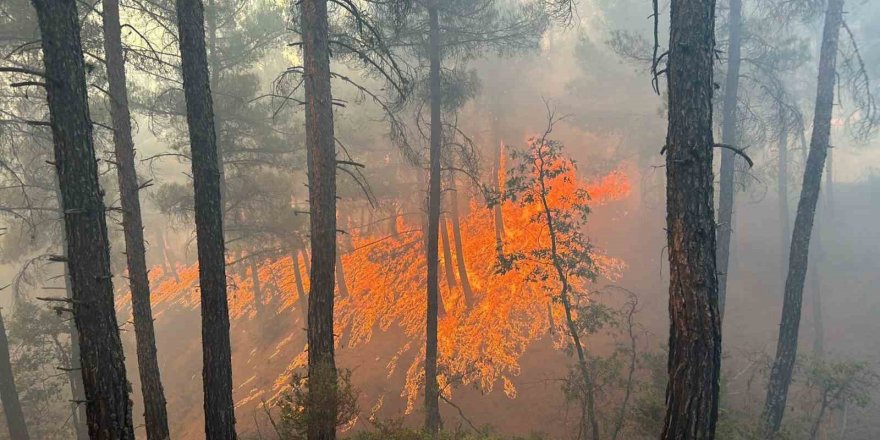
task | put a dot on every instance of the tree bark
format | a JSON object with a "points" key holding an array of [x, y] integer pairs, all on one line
{"points": [[155, 414], [786, 349], [321, 153], [8, 392], [695, 323], [432, 388], [108, 407], [459, 248], [729, 136], [217, 363]]}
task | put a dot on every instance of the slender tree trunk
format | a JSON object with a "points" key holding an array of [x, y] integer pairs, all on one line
{"points": [[695, 322], [782, 194], [786, 350], [258, 289], [340, 276], [433, 422], [322, 406], [300, 290], [729, 136], [106, 389], [459, 248], [217, 353], [8, 392], [155, 415], [447, 255], [498, 151]]}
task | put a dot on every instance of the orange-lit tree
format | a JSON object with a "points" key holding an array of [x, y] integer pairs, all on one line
{"points": [[561, 264]]}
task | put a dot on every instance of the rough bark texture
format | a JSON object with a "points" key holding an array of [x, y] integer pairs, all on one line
{"points": [[155, 414], [729, 136], [695, 324], [108, 408], [216, 350], [8, 392], [786, 348], [322, 407], [432, 388]]}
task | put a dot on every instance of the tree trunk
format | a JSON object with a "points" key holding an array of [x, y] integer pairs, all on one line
{"points": [[258, 290], [459, 249], [447, 255], [695, 323], [322, 406], [106, 389], [214, 69], [432, 388], [74, 374], [300, 290], [782, 194], [340, 276], [786, 349], [217, 364], [8, 392], [729, 136], [155, 415]]}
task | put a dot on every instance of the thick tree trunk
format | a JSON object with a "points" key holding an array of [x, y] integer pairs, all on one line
{"points": [[432, 388], [216, 350], [695, 322], [782, 195], [786, 349], [459, 248], [155, 414], [8, 392], [322, 407], [108, 407], [729, 136], [214, 69]]}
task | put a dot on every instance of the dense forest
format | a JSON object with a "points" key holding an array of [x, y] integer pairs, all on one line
{"points": [[439, 219]]}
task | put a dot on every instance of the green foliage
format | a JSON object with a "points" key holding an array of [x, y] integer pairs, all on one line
{"points": [[308, 397]]}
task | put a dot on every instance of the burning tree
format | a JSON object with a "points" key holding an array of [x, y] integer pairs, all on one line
{"points": [[561, 264]]}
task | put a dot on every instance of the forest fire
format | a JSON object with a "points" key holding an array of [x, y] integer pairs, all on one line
{"points": [[481, 338]]}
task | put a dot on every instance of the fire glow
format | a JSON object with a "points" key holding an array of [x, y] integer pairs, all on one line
{"points": [[385, 275]]}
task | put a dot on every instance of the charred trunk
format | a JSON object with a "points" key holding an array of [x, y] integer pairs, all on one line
{"points": [[321, 405], [786, 349], [108, 407], [155, 414], [432, 388], [8, 392], [217, 364], [729, 136], [695, 323]]}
